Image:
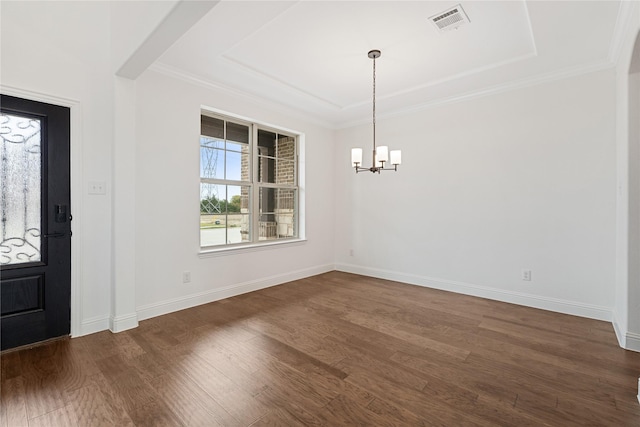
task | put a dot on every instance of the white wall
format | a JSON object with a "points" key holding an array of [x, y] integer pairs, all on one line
{"points": [[167, 195], [518, 180], [59, 52]]}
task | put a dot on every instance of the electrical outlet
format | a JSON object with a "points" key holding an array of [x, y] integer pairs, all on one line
{"points": [[526, 275], [186, 277]]}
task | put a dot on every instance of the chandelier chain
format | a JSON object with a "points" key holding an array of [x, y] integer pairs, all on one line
{"points": [[374, 105]]}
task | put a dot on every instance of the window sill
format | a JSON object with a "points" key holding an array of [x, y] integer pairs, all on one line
{"points": [[241, 249]]}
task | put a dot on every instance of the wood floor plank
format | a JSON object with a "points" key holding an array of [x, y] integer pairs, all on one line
{"points": [[62, 417], [42, 394], [13, 411], [405, 417], [278, 418], [629, 405], [342, 411], [106, 344], [305, 340], [330, 350], [280, 376], [235, 400], [10, 366], [276, 356], [75, 365], [191, 404], [141, 402], [404, 375], [408, 398], [285, 399], [113, 399], [226, 361], [292, 356], [92, 409], [405, 333]]}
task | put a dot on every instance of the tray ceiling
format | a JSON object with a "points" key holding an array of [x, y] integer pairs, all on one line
{"points": [[311, 57]]}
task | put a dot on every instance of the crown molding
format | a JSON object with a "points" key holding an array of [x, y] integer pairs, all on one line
{"points": [[493, 90], [178, 74], [488, 91], [623, 23], [288, 86]]}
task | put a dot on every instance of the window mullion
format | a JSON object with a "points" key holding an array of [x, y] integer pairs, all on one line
{"points": [[255, 192], [223, 181], [275, 185]]}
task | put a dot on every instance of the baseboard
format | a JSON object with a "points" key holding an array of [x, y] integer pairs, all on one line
{"points": [[123, 323], [535, 301], [158, 309], [93, 325], [632, 342]]}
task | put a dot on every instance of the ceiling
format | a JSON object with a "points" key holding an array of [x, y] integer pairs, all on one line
{"points": [[310, 57]]}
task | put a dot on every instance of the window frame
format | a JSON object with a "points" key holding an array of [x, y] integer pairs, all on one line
{"points": [[255, 185]]}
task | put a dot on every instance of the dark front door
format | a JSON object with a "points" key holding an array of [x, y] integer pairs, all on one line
{"points": [[35, 252]]}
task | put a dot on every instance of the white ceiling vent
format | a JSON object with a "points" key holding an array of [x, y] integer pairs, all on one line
{"points": [[450, 19]]}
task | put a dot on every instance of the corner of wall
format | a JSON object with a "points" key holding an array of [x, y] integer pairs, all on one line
{"points": [[621, 333]]}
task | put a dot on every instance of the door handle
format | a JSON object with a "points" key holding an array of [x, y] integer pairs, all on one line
{"points": [[56, 235]]}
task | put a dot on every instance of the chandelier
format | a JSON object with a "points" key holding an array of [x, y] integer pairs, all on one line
{"points": [[381, 155]]}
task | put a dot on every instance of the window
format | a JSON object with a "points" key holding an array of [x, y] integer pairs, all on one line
{"points": [[248, 182]]}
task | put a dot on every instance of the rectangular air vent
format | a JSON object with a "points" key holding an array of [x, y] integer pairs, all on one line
{"points": [[450, 19]]}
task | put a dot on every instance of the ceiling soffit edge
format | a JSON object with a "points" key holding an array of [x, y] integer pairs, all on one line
{"points": [[461, 75], [492, 90]]}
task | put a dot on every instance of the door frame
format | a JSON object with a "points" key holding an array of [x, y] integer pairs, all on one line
{"points": [[76, 193]]}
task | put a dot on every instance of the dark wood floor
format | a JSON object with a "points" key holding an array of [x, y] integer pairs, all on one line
{"points": [[335, 349]]}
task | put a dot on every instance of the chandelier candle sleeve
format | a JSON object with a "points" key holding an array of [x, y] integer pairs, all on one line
{"points": [[356, 156], [382, 154], [396, 157]]}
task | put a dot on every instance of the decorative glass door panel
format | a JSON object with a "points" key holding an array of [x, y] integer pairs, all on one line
{"points": [[20, 200]]}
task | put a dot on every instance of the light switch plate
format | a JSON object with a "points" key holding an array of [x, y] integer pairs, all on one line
{"points": [[97, 187]]}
